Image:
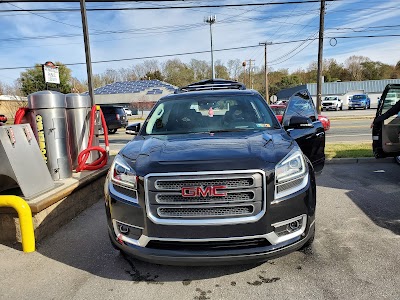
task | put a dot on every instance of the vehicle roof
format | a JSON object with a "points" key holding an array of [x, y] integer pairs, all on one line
{"points": [[111, 105], [184, 95]]}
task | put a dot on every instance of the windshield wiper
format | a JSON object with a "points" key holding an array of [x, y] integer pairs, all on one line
{"points": [[231, 130]]}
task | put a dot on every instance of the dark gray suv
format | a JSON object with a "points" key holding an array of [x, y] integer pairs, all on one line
{"points": [[115, 117], [213, 178]]}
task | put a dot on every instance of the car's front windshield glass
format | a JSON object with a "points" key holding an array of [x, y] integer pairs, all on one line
{"points": [[330, 98], [205, 113], [359, 97]]}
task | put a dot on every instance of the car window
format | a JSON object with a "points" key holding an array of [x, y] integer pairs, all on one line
{"points": [[300, 105], [194, 114], [359, 97], [120, 110], [106, 109], [392, 96], [278, 110]]}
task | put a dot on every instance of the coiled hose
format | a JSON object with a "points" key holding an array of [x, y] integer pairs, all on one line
{"points": [[84, 155]]}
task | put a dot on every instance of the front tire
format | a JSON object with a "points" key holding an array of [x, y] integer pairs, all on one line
{"points": [[397, 159]]}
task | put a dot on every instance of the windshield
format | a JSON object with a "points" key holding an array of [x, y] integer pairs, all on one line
{"points": [[195, 114], [330, 98], [359, 97], [278, 110]]}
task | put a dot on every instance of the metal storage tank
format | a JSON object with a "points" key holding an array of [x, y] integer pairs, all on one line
{"points": [[49, 117], [78, 124]]}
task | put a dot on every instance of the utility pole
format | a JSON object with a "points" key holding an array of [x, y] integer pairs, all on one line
{"points": [[266, 69], [87, 50], [244, 72], [250, 79], [320, 52], [211, 20]]}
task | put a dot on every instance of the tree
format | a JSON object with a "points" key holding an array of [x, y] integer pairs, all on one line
{"points": [[201, 69], [177, 73], [154, 75], [32, 79], [354, 66], [78, 86], [220, 70], [234, 68]]}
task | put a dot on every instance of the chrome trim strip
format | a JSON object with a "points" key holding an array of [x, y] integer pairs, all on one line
{"points": [[123, 196], [142, 241], [205, 179], [221, 221], [274, 239], [271, 237], [278, 196], [130, 225], [205, 206]]}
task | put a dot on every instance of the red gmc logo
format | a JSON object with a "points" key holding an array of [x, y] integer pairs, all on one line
{"points": [[211, 191]]}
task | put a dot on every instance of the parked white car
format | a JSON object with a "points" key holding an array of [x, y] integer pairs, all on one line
{"points": [[128, 111], [332, 102]]}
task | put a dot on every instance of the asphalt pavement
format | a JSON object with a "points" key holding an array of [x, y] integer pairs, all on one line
{"points": [[355, 255]]}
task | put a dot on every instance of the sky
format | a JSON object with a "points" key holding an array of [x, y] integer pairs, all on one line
{"points": [[27, 38]]}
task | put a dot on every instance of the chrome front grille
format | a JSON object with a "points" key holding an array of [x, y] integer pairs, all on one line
{"points": [[177, 198], [174, 185], [242, 199], [199, 212]]}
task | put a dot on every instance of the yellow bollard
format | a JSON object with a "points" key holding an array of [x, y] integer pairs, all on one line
{"points": [[25, 220]]}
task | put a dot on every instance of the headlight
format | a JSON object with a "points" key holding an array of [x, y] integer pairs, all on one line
{"points": [[122, 174], [290, 174]]}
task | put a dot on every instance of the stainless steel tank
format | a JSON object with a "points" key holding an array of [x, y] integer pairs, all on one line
{"points": [[78, 124], [49, 117]]}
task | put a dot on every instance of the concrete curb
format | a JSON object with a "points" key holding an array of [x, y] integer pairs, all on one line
{"points": [[358, 160], [338, 118]]}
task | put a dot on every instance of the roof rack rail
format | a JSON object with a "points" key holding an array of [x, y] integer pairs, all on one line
{"points": [[212, 84]]}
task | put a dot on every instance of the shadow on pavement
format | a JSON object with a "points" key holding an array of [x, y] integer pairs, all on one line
{"points": [[373, 187], [84, 244]]}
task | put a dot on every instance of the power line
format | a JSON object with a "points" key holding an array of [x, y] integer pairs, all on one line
{"points": [[38, 15], [171, 7], [215, 50]]}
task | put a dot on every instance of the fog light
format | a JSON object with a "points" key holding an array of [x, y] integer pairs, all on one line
{"points": [[123, 229], [293, 226]]}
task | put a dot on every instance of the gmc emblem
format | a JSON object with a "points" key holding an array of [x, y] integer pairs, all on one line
{"points": [[211, 191]]}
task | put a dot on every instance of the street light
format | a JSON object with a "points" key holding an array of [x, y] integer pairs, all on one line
{"points": [[211, 20]]}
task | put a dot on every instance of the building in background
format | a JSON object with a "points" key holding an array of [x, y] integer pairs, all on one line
{"points": [[9, 104], [139, 94], [345, 90]]}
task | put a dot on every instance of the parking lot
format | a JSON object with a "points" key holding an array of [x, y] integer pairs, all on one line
{"points": [[355, 254]]}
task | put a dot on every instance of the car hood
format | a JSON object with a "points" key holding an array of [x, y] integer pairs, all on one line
{"points": [[207, 152]]}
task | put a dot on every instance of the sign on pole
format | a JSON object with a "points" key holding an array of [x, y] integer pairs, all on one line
{"points": [[51, 74]]}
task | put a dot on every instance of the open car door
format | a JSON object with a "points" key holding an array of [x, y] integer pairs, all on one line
{"points": [[386, 134], [311, 139]]}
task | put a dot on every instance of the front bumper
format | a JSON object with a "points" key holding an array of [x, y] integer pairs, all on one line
{"points": [[330, 106], [357, 105], [219, 257], [255, 240]]}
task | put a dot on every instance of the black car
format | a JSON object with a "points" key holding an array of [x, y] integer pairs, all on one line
{"points": [[115, 117], [213, 178], [386, 134]]}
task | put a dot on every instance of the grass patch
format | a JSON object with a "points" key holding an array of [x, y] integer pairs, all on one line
{"points": [[341, 150]]}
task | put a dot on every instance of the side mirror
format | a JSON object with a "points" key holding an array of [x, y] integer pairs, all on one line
{"points": [[133, 128], [299, 122]]}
